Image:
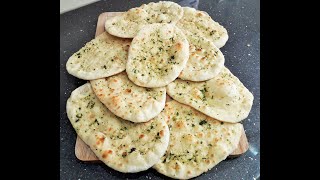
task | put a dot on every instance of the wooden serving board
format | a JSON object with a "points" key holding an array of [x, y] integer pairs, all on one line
{"points": [[83, 151]]}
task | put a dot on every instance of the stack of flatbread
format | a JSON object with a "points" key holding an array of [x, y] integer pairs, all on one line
{"points": [[146, 53]]}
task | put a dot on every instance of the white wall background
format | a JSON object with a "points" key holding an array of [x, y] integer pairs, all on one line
{"points": [[68, 5]]}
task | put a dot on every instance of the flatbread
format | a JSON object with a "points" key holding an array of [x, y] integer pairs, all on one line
{"points": [[197, 142], [103, 56], [129, 23], [127, 100], [163, 12], [157, 55], [122, 145], [224, 97], [205, 60], [201, 24]]}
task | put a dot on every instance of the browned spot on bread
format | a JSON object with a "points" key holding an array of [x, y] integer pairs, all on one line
{"points": [[207, 161], [189, 172], [200, 134], [152, 59], [199, 14], [115, 100], [91, 116], [109, 129], [141, 136], [179, 124], [215, 140], [128, 90], [179, 46], [124, 154], [161, 133], [106, 153], [115, 80], [138, 11], [188, 137], [100, 140], [176, 166]]}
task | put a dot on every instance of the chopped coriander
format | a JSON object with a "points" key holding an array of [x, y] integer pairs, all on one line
{"points": [[132, 149], [79, 115], [202, 122]]}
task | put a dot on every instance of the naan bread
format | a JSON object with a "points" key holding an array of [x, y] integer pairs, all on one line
{"points": [[224, 97], [205, 60], [127, 100], [163, 12], [122, 145], [128, 24], [201, 24], [197, 142], [157, 55], [103, 56]]}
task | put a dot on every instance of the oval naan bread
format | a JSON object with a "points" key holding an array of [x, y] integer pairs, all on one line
{"points": [[122, 145], [128, 24], [197, 142], [157, 55], [103, 56], [205, 60], [127, 100], [201, 24], [224, 97]]}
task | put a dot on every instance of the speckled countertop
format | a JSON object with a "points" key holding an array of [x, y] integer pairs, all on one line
{"points": [[242, 56]]}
